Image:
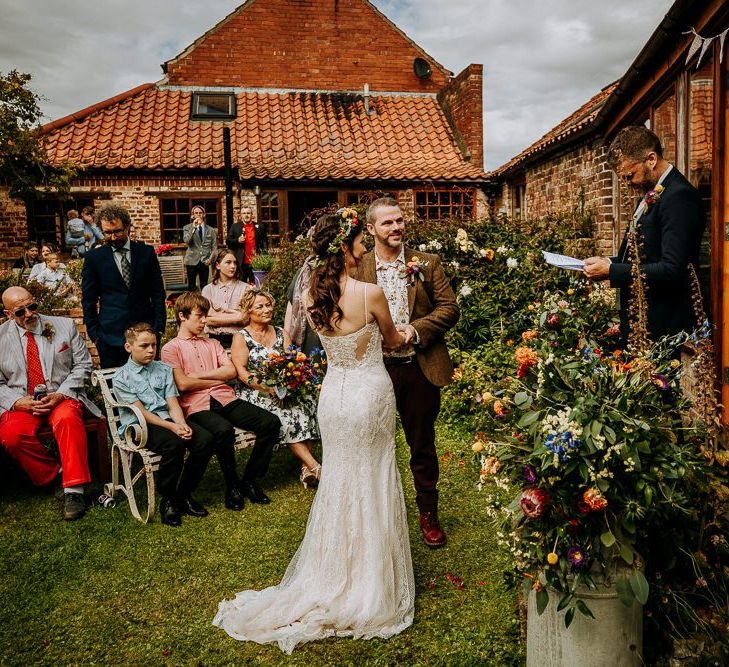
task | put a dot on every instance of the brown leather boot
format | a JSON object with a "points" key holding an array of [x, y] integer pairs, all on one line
{"points": [[433, 534]]}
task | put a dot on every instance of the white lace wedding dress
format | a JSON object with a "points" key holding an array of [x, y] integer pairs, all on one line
{"points": [[352, 574]]}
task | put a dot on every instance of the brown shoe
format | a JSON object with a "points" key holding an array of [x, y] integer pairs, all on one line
{"points": [[433, 534]]}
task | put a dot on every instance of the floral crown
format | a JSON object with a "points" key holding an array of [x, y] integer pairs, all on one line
{"points": [[348, 221]]}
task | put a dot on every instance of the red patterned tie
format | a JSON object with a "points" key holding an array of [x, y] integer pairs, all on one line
{"points": [[35, 370]]}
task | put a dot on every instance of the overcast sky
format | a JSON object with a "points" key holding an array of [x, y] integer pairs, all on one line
{"points": [[542, 58]]}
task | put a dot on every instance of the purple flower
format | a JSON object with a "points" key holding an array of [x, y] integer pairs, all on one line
{"points": [[661, 381], [577, 557], [530, 474]]}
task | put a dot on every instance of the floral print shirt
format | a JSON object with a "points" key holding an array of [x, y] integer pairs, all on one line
{"points": [[391, 278]]}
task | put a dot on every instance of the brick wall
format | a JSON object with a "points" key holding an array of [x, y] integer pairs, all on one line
{"points": [[572, 182], [13, 227], [462, 101], [310, 44]]}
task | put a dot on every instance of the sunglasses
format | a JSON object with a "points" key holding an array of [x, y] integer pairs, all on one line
{"points": [[30, 308]]}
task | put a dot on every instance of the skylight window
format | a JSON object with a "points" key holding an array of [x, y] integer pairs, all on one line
{"points": [[213, 106]]}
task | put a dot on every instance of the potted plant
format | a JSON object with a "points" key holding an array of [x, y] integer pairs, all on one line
{"points": [[587, 469], [261, 265]]}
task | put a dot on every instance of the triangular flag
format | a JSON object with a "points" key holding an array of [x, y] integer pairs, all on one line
{"points": [[704, 47], [694, 46]]}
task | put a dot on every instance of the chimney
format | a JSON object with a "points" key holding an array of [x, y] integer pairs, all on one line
{"points": [[462, 102]]}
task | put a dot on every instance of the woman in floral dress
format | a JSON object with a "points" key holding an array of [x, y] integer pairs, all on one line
{"points": [[251, 348]]}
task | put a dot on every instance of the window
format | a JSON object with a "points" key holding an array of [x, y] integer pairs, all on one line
{"points": [[363, 198], [270, 215], [212, 106], [175, 214], [436, 205], [47, 217], [664, 125]]}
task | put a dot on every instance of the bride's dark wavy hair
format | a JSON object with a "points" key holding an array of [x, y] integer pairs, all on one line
{"points": [[324, 289]]}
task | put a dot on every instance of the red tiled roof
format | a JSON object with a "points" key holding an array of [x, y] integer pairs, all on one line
{"points": [[292, 135], [580, 119]]}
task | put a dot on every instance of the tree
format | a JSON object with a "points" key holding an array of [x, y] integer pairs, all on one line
{"points": [[24, 162]]}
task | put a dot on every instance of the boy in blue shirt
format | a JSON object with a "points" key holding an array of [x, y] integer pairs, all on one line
{"points": [[150, 386]]}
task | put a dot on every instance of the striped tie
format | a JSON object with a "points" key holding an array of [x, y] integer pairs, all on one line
{"points": [[126, 269]]}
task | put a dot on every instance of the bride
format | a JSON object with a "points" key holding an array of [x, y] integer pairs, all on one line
{"points": [[352, 574]]}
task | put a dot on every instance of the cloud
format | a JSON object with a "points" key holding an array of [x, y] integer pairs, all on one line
{"points": [[542, 59]]}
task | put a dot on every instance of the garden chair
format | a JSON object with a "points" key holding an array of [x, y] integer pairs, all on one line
{"points": [[173, 273], [129, 451]]}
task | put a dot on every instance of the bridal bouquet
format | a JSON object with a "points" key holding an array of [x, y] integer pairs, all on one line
{"points": [[591, 459], [293, 375]]}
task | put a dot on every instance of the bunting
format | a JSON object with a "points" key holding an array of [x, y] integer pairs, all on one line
{"points": [[701, 44]]}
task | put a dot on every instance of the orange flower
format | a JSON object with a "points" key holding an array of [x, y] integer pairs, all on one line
{"points": [[500, 410], [490, 466], [594, 500], [529, 335], [525, 356]]}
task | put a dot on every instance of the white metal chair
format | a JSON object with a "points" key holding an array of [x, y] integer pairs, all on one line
{"points": [[134, 443]]}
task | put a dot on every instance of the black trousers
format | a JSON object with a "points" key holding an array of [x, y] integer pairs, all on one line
{"points": [[194, 272], [178, 477], [246, 272], [225, 339], [220, 420], [418, 403]]}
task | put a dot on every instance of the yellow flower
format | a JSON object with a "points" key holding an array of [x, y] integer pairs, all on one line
{"points": [[552, 558], [675, 363], [414, 259], [290, 364], [570, 291], [477, 446]]}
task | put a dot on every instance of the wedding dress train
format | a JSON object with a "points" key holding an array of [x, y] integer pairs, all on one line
{"points": [[352, 575]]}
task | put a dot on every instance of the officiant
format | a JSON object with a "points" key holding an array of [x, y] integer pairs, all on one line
{"points": [[670, 224]]}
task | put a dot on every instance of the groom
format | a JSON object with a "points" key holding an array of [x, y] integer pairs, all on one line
{"points": [[424, 310]]}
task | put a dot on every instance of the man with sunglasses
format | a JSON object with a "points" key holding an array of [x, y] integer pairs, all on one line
{"points": [[121, 284], [38, 350]]}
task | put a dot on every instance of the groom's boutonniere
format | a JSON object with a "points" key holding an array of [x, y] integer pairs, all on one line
{"points": [[48, 331], [413, 270], [652, 196]]}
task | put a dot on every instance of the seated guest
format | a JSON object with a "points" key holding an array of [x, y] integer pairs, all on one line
{"points": [[29, 258], [46, 249], [296, 324], [53, 276], [250, 350], [39, 350], [224, 294], [149, 385], [201, 369]]}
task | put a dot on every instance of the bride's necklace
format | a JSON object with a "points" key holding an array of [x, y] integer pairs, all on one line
{"points": [[263, 337]]}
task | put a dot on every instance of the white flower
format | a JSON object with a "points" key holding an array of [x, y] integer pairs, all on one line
{"points": [[422, 247], [455, 264], [466, 290], [437, 245], [483, 252], [502, 250], [512, 263]]}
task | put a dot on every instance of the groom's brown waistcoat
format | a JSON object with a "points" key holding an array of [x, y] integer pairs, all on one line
{"points": [[433, 311]]}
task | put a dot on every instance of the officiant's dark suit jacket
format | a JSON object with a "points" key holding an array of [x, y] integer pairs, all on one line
{"points": [[433, 311], [671, 231], [109, 305]]}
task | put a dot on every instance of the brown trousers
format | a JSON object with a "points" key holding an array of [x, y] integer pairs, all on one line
{"points": [[418, 404]]}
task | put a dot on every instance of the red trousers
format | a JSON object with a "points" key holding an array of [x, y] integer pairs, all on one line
{"points": [[18, 431]]}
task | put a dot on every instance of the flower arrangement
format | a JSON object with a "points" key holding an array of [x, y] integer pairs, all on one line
{"points": [[413, 270], [652, 196], [48, 331], [348, 219], [292, 375], [164, 249], [590, 461]]}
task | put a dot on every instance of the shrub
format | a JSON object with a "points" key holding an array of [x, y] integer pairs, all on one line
{"points": [[289, 258]]}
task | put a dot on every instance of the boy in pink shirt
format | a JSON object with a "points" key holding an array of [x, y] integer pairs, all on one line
{"points": [[202, 369]]}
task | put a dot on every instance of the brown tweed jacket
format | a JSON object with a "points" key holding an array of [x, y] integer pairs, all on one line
{"points": [[433, 311]]}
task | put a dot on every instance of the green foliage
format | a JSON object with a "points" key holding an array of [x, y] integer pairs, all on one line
{"points": [[262, 262], [23, 159]]}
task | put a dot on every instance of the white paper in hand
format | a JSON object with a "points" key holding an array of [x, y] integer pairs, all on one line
{"points": [[563, 261]]}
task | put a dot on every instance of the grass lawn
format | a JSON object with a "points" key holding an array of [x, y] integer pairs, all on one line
{"points": [[109, 590]]}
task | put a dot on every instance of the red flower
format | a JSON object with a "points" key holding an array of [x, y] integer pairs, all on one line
{"points": [[553, 320], [593, 500], [534, 502]]}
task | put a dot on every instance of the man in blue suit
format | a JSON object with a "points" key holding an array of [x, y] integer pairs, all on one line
{"points": [[121, 283], [670, 223]]}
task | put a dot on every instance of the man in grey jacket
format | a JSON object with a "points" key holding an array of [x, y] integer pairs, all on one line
{"points": [[202, 242], [44, 363]]}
